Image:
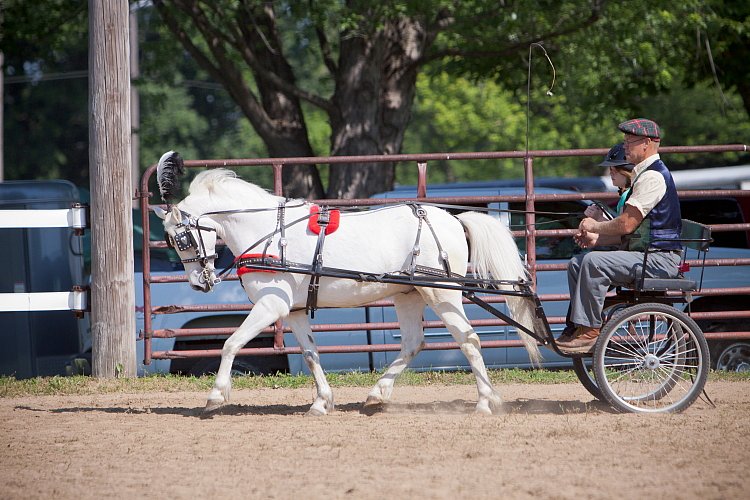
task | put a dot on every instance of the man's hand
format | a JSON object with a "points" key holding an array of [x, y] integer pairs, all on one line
{"points": [[588, 225], [585, 239], [625, 223]]}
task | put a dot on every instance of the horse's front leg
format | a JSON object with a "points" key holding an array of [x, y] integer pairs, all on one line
{"points": [[300, 325], [266, 311]]}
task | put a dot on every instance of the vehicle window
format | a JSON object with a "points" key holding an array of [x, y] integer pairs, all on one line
{"points": [[717, 211], [559, 215], [225, 259], [482, 207]]}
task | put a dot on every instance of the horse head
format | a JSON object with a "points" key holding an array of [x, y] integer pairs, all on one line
{"points": [[194, 240]]}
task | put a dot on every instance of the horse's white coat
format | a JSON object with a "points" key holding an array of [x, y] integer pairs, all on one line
{"points": [[375, 241]]}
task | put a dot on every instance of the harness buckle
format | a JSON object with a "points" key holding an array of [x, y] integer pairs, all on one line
{"points": [[324, 216]]}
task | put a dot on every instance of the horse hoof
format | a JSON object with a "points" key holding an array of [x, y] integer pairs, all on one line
{"points": [[373, 401], [482, 411], [497, 407], [314, 412], [212, 405]]}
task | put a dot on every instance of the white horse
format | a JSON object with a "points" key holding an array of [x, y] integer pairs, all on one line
{"points": [[375, 241]]}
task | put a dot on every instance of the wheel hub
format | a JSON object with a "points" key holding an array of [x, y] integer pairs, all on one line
{"points": [[651, 362]]}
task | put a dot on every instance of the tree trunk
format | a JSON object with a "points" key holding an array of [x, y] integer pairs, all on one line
{"points": [[375, 89], [375, 83], [112, 288], [249, 33], [288, 135]]}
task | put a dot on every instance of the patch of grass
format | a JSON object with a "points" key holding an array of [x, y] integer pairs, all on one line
{"points": [[40, 386], [731, 376]]}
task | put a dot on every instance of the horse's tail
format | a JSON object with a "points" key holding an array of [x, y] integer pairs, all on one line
{"points": [[494, 255]]}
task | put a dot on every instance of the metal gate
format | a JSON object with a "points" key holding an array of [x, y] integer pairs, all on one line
{"points": [[421, 161]]}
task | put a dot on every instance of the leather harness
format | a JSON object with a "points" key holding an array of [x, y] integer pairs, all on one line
{"points": [[323, 225], [324, 219]]}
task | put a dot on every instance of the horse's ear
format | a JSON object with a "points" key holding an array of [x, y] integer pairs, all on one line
{"points": [[176, 214], [160, 213]]}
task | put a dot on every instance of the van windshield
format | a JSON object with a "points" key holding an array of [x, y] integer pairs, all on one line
{"points": [[549, 247]]}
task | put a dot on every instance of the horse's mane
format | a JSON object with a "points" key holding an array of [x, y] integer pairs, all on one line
{"points": [[221, 183]]}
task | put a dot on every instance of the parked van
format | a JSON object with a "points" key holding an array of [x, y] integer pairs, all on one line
{"points": [[40, 343]]}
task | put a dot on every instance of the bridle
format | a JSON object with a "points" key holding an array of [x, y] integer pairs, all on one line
{"points": [[184, 240]]}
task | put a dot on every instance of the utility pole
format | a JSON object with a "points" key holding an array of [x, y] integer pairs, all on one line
{"points": [[112, 287]]}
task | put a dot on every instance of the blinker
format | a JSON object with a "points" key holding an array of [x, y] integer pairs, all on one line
{"points": [[183, 240]]}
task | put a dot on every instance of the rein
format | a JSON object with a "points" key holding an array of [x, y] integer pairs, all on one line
{"points": [[466, 207], [279, 229], [281, 226]]}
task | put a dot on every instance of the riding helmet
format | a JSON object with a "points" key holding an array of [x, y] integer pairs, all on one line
{"points": [[616, 158]]}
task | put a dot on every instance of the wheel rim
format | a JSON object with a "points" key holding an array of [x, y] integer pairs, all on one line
{"points": [[735, 358], [651, 362], [586, 376]]}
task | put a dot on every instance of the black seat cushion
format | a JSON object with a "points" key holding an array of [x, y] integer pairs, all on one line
{"points": [[666, 284]]}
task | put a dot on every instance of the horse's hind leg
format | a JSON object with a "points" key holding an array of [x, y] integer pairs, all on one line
{"points": [[409, 308], [448, 306], [265, 312], [300, 325]]}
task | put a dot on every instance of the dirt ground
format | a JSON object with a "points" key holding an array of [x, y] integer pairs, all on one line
{"points": [[554, 441]]}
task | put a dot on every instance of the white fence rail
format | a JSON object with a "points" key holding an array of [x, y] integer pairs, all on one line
{"points": [[75, 300], [75, 218]]}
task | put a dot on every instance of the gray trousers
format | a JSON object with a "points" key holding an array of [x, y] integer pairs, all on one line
{"points": [[592, 274]]}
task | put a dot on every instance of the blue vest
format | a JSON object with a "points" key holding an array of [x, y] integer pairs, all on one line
{"points": [[664, 221]]}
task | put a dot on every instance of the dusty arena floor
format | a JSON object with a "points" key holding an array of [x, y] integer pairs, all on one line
{"points": [[553, 442]]}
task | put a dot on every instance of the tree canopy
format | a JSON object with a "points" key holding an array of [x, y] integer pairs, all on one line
{"points": [[238, 78], [369, 56]]}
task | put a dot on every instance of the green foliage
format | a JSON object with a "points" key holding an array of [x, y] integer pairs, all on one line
{"points": [[36, 30], [45, 97], [458, 115], [455, 115], [699, 115], [723, 34], [636, 58]]}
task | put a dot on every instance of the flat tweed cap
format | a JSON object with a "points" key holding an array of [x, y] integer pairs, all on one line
{"points": [[641, 127]]}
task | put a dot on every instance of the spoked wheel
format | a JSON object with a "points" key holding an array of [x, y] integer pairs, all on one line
{"points": [[586, 375], [651, 358]]}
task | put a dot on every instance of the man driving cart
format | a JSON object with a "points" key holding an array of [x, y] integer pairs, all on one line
{"points": [[651, 212]]}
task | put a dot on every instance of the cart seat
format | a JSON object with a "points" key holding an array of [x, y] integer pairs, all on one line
{"points": [[669, 284], [694, 236]]}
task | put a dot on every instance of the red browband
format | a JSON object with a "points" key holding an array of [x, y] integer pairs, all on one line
{"points": [[258, 258]]}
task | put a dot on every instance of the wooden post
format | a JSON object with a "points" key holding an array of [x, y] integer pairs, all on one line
{"points": [[112, 288], [135, 110]]}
